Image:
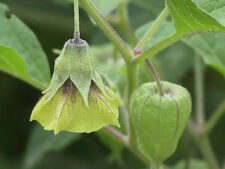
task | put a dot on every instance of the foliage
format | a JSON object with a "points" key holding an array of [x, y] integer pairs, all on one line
{"points": [[22, 55], [198, 27]]}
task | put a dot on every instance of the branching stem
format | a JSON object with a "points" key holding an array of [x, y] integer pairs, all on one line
{"points": [[214, 119], [132, 62], [148, 35], [107, 29]]}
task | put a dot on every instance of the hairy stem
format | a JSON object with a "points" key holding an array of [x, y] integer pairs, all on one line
{"points": [[107, 29], [148, 35], [214, 119], [76, 20], [156, 76]]}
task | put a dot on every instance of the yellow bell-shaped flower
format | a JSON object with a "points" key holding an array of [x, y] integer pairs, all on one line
{"points": [[76, 100]]}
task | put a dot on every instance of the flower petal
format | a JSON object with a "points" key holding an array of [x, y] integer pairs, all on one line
{"points": [[46, 112], [76, 117]]}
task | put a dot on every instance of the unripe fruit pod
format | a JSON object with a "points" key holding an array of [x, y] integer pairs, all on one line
{"points": [[159, 120]]}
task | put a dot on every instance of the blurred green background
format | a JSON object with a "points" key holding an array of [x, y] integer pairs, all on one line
{"points": [[25, 145]]}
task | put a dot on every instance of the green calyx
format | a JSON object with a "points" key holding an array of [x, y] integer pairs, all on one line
{"points": [[76, 63], [159, 120], [77, 99]]}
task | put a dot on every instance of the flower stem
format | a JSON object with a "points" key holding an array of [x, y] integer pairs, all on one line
{"points": [[76, 20], [148, 35], [156, 76]]}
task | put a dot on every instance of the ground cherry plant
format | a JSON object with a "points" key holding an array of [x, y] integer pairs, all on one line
{"points": [[128, 92]]}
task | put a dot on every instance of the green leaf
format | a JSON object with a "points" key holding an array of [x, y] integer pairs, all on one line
{"points": [[154, 6], [210, 45], [211, 48], [189, 20], [106, 7], [165, 30], [194, 164], [216, 8], [20, 52], [42, 142]]}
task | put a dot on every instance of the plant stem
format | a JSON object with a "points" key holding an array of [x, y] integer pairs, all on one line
{"points": [[156, 76], [76, 20], [132, 77], [148, 35], [116, 134], [201, 139], [199, 91], [158, 48], [204, 146], [213, 120], [132, 68], [195, 130], [125, 23], [107, 29]]}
